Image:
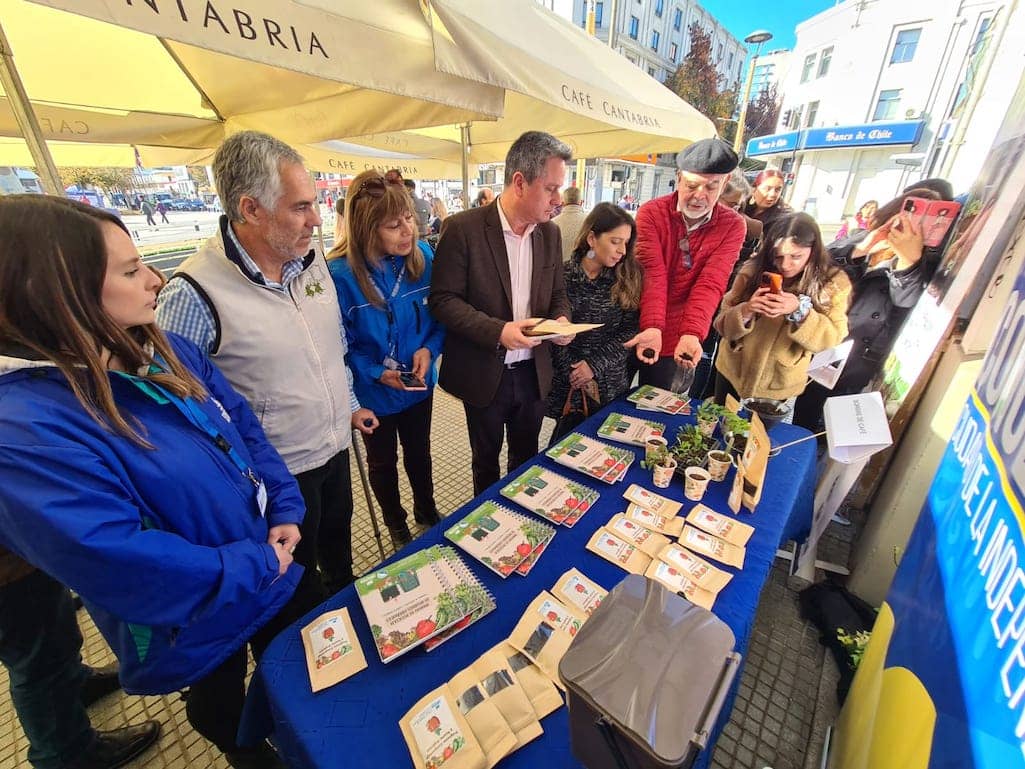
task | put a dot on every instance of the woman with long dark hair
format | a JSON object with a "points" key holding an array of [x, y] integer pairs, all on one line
{"points": [[383, 275], [603, 283], [788, 302], [133, 473], [766, 203]]}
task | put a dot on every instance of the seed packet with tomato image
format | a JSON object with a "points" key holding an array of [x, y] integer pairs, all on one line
{"points": [[543, 694], [670, 526], [332, 649], [485, 719], [550, 495], [578, 592], [614, 548], [438, 735], [679, 584], [647, 541], [649, 500], [544, 633], [524, 568], [500, 685], [734, 532], [696, 569], [705, 544]]}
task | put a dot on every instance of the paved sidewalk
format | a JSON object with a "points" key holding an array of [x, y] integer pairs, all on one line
{"points": [[773, 723]]}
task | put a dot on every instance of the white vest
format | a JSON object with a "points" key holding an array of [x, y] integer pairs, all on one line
{"points": [[283, 352]]}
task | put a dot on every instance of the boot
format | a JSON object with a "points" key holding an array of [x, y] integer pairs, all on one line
{"points": [[117, 747], [101, 682], [426, 518], [400, 536]]}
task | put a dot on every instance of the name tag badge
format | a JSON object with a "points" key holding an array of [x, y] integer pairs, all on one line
{"points": [[261, 499]]}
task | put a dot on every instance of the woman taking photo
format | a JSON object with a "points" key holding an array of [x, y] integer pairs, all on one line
{"points": [[766, 202], [382, 276], [787, 302], [603, 283], [133, 473]]}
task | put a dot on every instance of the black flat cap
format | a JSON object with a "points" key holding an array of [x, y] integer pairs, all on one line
{"points": [[707, 156]]}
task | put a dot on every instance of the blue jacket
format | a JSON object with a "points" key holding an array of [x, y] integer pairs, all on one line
{"points": [[370, 330], [166, 546]]}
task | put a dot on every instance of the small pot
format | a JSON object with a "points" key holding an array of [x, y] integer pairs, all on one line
{"points": [[661, 475], [707, 426], [695, 481], [652, 446], [718, 464]]}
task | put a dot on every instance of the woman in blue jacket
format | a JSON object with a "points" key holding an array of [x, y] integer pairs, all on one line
{"points": [[382, 276], [133, 473]]}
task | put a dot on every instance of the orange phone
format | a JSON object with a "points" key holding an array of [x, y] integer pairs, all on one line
{"points": [[773, 281]]}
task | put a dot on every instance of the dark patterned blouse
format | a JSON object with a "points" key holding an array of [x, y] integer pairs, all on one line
{"points": [[602, 348]]}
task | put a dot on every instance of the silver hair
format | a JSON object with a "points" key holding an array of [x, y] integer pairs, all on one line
{"points": [[530, 152], [249, 164], [735, 182]]}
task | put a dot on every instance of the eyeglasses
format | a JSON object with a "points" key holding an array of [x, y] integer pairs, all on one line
{"points": [[373, 187]]}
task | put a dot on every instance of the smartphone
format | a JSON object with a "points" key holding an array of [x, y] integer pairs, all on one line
{"points": [[773, 281], [411, 381]]}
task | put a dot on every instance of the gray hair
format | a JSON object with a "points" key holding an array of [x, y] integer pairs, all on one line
{"points": [[530, 152], [736, 181], [249, 163]]}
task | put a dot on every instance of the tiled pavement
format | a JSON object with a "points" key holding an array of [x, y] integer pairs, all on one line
{"points": [[774, 722]]}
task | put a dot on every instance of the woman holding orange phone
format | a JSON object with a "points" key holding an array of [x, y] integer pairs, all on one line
{"points": [[788, 302]]}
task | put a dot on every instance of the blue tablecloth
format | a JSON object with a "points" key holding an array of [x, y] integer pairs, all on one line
{"points": [[355, 723]]}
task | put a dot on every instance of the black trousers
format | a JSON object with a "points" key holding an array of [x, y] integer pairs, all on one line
{"points": [[517, 411], [413, 428], [327, 528]]}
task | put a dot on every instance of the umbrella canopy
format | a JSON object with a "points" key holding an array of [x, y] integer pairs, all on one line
{"points": [[183, 73]]}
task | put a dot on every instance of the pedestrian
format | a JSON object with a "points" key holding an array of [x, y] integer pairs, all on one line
{"points": [[484, 198], [439, 213], [127, 458], [421, 208], [687, 243], [766, 203], [570, 220], [382, 276], [770, 332], [603, 283], [147, 210], [258, 298], [501, 375], [162, 210]]}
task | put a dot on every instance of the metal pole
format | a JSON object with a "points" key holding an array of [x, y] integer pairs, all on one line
{"points": [[612, 24], [366, 493], [738, 140], [26, 118], [464, 139]]}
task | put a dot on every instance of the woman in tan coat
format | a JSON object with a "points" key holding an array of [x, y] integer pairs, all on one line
{"points": [[787, 303]]}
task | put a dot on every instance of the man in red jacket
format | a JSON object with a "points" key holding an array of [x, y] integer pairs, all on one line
{"points": [[688, 243]]}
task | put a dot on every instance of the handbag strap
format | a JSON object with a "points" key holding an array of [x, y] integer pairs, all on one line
{"points": [[567, 407]]}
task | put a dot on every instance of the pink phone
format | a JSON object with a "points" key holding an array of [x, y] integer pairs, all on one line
{"points": [[933, 217]]}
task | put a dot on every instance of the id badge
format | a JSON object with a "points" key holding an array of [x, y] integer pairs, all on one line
{"points": [[261, 498], [391, 364]]}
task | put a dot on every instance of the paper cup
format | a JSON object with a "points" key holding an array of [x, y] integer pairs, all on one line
{"points": [[707, 426], [652, 445], [718, 464], [695, 481], [661, 476]]}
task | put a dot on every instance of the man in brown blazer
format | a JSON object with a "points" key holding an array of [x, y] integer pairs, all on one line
{"points": [[498, 267]]}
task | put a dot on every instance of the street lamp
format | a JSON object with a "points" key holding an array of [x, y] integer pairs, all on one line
{"points": [[757, 37]]}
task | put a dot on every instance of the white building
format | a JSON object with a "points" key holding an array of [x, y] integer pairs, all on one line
{"points": [[880, 94], [771, 69]]}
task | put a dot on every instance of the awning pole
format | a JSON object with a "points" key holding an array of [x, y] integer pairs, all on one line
{"points": [[464, 140], [27, 123]]}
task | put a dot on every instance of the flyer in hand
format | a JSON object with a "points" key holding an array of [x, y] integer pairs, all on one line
{"points": [[649, 398], [632, 431], [416, 598], [498, 537], [592, 457], [550, 495]]}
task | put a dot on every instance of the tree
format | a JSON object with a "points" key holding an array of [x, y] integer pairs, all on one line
{"points": [[699, 83], [762, 113], [197, 174]]}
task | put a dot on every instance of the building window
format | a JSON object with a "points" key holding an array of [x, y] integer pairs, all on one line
{"points": [[718, 56], [813, 111], [824, 58], [635, 23], [904, 48], [651, 71], [659, 7], [677, 19], [672, 52], [599, 9], [886, 107], [654, 40], [809, 65]]}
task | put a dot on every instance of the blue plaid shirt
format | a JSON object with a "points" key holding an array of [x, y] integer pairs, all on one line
{"points": [[183, 311]]}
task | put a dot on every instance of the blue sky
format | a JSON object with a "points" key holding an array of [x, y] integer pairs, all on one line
{"points": [[779, 17]]}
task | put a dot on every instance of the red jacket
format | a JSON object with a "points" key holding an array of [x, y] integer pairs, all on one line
{"points": [[697, 291]]}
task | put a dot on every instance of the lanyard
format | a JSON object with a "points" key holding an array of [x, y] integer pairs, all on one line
{"points": [[393, 336], [198, 419]]}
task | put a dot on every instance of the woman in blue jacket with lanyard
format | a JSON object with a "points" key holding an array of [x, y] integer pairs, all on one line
{"points": [[382, 276], [133, 473]]}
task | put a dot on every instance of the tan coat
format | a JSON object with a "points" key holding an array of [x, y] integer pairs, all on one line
{"points": [[769, 358]]}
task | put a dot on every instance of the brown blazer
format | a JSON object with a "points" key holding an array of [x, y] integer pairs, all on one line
{"points": [[471, 295]]}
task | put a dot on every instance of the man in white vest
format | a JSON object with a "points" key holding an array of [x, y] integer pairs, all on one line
{"points": [[258, 298]]}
